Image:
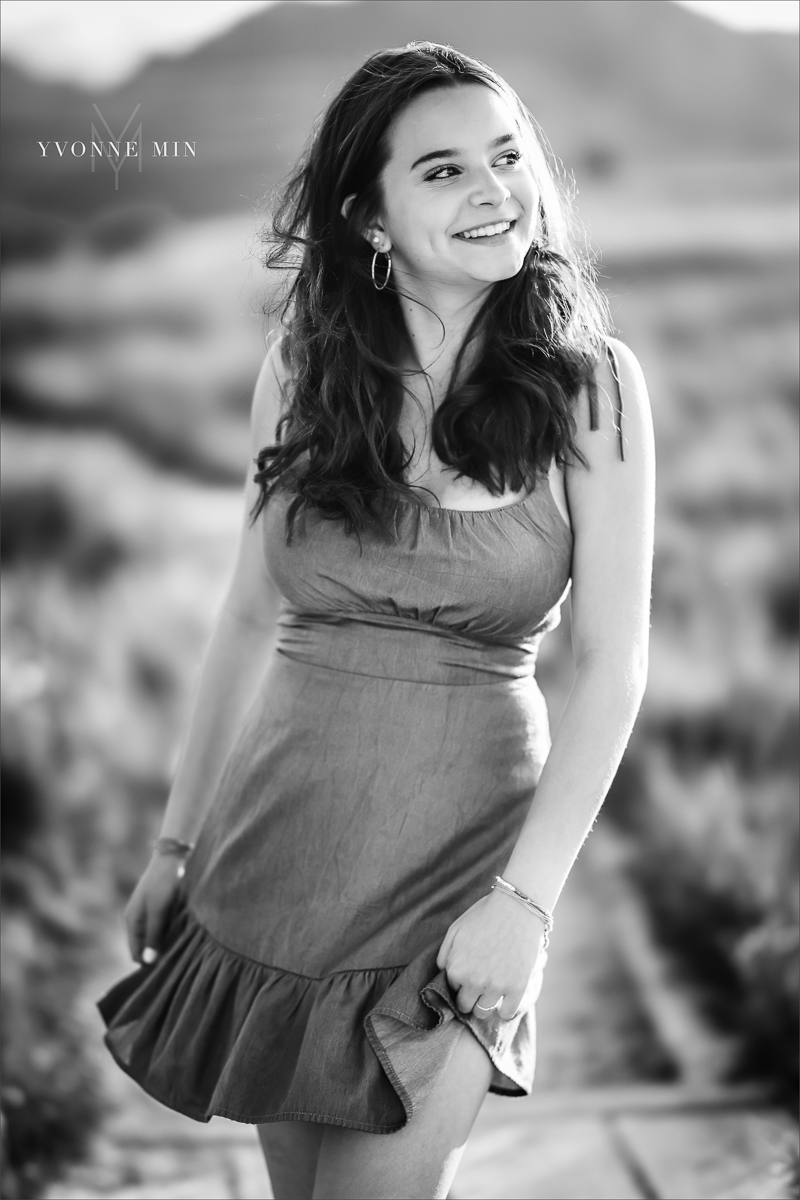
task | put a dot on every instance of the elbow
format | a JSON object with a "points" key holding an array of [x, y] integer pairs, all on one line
{"points": [[622, 678], [638, 678], [248, 623], [634, 682]]}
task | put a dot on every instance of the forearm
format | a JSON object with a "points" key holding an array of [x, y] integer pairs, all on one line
{"points": [[583, 760], [234, 665]]}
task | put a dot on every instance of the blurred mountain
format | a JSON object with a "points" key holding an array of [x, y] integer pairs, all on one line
{"points": [[613, 83]]}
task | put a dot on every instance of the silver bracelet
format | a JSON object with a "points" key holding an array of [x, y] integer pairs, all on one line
{"points": [[171, 845], [544, 915]]}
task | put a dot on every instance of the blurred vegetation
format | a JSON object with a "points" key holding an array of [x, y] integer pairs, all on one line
{"points": [[112, 572], [131, 352], [708, 788]]}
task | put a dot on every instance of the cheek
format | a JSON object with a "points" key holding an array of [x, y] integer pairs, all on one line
{"points": [[523, 188], [528, 197], [421, 236]]}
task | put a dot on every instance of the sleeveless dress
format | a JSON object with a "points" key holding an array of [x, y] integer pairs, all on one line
{"points": [[379, 782]]}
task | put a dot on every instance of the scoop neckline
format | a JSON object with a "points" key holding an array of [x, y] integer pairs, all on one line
{"points": [[467, 512], [481, 512]]}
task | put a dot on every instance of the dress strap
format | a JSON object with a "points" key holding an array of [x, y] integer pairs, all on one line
{"points": [[594, 419]]}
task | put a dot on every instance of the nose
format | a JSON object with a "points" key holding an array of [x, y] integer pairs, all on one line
{"points": [[489, 189]]}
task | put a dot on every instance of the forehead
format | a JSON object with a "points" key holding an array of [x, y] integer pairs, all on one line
{"points": [[462, 116]]}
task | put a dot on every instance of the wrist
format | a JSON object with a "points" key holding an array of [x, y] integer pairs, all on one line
{"points": [[542, 914], [171, 850], [171, 847], [536, 879]]}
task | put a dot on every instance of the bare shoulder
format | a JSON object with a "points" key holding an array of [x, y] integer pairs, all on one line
{"points": [[612, 502], [621, 424], [627, 371], [636, 418], [269, 397]]}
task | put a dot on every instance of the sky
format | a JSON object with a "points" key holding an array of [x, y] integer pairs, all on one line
{"points": [[753, 15], [99, 43]]}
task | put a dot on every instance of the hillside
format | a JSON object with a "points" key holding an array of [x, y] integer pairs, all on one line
{"points": [[612, 83]]}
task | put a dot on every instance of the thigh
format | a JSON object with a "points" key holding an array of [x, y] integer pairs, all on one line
{"points": [[291, 1149], [419, 1160]]}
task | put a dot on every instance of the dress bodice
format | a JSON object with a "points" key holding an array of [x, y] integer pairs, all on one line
{"points": [[497, 575]]}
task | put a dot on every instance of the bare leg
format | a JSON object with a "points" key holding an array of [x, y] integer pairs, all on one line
{"points": [[291, 1149], [419, 1161]]}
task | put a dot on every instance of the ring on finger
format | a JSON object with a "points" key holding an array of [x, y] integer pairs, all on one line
{"points": [[480, 1009]]}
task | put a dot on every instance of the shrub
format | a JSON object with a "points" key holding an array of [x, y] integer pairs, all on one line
{"points": [[716, 860], [105, 610], [50, 1097], [42, 523]]}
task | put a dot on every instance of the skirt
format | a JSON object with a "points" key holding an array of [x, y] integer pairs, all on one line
{"points": [[379, 782]]}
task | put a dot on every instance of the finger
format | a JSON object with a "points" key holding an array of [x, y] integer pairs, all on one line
{"points": [[135, 928], [138, 937], [486, 1004], [444, 950], [510, 1006], [466, 997], [156, 917]]}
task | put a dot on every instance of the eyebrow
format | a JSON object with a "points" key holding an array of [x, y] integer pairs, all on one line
{"points": [[452, 153]]}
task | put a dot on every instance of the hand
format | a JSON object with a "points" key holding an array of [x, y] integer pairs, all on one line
{"points": [[148, 907], [490, 955]]}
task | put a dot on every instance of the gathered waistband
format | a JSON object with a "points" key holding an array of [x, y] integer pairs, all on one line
{"points": [[400, 648]]}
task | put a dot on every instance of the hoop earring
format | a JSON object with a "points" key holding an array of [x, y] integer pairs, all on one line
{"points": [[380, 286]]}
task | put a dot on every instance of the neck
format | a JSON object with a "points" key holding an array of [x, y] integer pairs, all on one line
{"points": [[437, 321]]}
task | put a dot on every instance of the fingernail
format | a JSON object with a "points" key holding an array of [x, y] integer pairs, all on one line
{"points": [[149, 955]]}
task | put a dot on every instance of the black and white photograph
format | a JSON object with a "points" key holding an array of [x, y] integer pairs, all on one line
{"points": [[400, 600]]}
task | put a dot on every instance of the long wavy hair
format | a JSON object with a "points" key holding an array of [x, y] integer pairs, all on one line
{"points": [[539, 334]]}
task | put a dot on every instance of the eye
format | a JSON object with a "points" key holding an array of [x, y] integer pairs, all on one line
{"points": [[513, 157], [509, 158], [432, 176]]}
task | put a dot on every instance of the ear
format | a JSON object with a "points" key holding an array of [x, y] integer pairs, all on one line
{"points": [[378, 238], [347, 205], [375, 234]]}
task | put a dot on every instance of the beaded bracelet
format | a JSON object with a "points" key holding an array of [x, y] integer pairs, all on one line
{"points": [[546, 917], [170, 845]]}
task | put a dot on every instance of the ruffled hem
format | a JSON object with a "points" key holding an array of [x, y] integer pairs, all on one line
{"points": [[209, 1032]]}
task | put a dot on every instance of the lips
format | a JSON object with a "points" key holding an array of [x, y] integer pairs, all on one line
{"points": [[479, 232]]}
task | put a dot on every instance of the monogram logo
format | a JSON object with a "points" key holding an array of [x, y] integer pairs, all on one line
{"points": [[117, 148], [113, 154]]}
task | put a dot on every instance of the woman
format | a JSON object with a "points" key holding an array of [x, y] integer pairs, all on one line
{"points": [[372, 842]]}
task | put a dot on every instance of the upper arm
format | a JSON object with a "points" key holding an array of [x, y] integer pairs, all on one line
{"points": [[252, 595], [265, 413], [612, 503]]}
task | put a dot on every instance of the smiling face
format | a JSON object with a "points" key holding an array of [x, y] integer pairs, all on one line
{"points": [[460, 201]]}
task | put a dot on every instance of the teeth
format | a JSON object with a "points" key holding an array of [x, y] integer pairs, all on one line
{"points": [[487, 230]]}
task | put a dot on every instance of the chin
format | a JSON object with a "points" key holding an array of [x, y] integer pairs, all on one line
{"points": [[495, 272]]}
